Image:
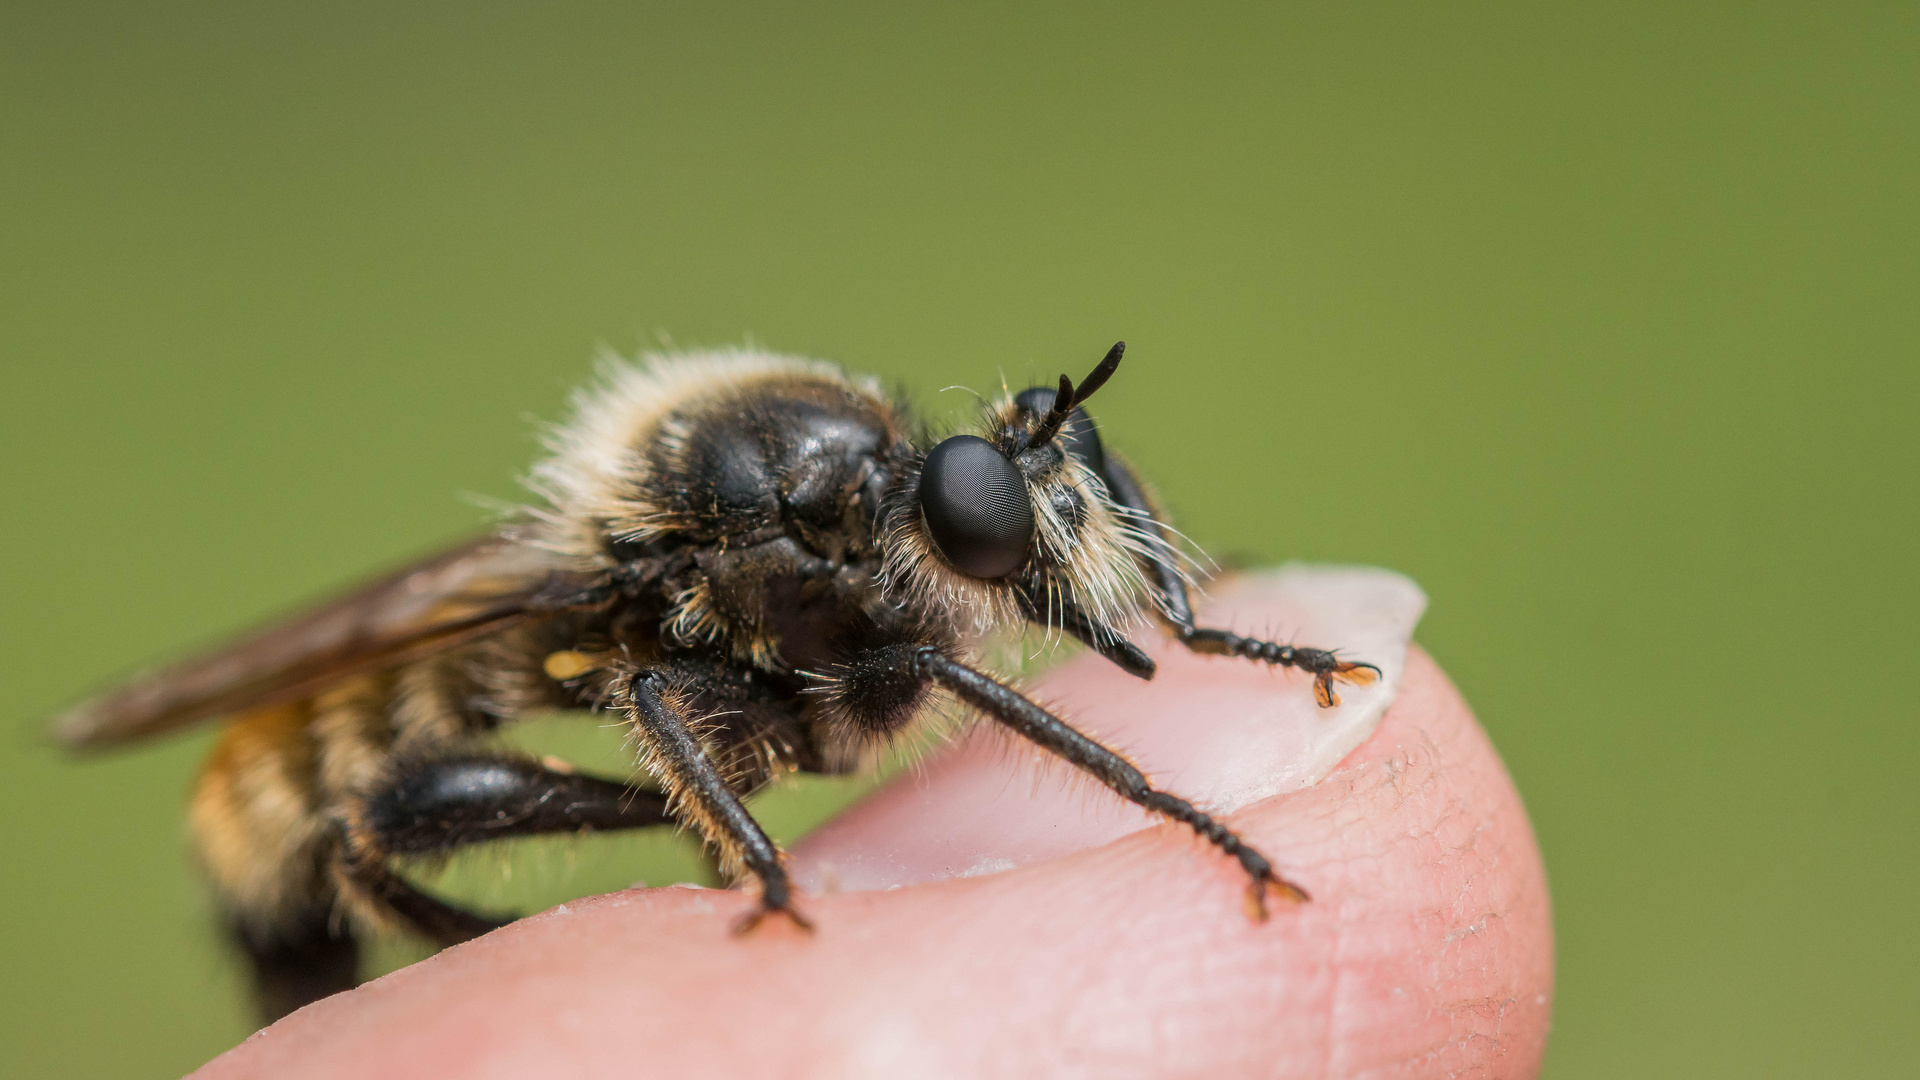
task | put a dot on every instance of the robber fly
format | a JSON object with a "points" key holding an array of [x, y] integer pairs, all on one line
{"points": [[755, 563]]}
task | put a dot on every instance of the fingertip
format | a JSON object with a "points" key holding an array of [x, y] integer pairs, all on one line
{"points": [[1427, 952]]}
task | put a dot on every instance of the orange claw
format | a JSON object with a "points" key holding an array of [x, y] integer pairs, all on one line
{"points": [[1356, 673], [1256, 902], [1323, 691], [1256, 899], [758, 915], [1347, 672]]}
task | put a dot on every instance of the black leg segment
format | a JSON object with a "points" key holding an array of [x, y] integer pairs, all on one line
{"points": [[700, 794], [297, 965], [1126, 490], [366, 871], [1012, 709], [438, 806], [1322, 664], [450, 803]]}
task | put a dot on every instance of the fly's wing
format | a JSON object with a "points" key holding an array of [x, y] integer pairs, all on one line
{"points": [[459, 594]]}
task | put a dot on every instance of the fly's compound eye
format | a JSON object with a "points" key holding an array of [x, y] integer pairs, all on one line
{"points": [[976, 505], [1077, 436]]}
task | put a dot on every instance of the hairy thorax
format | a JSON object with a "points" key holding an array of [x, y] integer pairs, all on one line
{"points": [[771, 494]]}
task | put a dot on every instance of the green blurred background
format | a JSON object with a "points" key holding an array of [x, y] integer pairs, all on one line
{"points": [[1601, 324]]}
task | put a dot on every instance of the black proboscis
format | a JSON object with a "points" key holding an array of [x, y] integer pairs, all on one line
{"points": [[1053, 609]]}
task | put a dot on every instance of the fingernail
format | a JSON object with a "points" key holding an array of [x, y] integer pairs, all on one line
{"points": [[1221, 732]]}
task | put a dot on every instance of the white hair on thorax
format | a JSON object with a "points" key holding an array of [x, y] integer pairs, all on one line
{"points": [[595, 475]]}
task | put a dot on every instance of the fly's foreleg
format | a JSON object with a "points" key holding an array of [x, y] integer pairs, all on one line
{"points": [[1325, 667], [1014, 711], [1322, 664]]}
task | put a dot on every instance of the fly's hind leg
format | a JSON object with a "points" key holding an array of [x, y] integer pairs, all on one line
{"points": [[1325, 667], [296, 962], [439, 806], [298, 859]]}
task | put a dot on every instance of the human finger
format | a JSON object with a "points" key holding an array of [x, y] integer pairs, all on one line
{"points": [[1426, 950]]}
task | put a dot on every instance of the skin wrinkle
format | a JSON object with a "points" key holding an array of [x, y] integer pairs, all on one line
{"points": [[1337, 1003], [1129, 959], [1423, 831]]}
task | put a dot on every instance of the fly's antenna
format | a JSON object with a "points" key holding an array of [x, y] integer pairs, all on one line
{"points": [[1068, 397]]}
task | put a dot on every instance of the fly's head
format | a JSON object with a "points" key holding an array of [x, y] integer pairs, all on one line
{"points": [[1020, 515]]}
